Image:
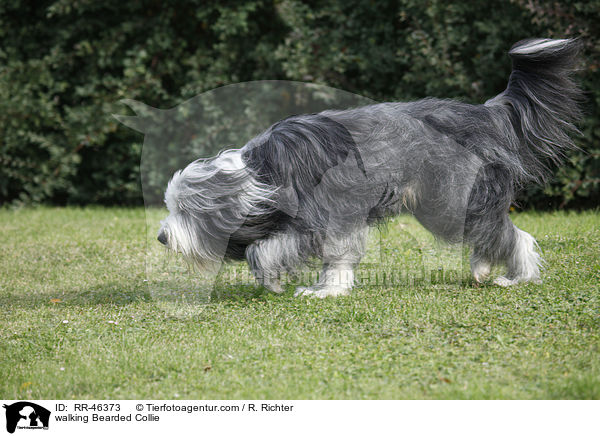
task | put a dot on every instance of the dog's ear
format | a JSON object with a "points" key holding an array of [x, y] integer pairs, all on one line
{"points": [[297, 151], [287, 201], [144, 118]]}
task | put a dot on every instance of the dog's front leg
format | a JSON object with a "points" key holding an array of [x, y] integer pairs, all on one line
{"points": [[341, 254], [271, 256]]}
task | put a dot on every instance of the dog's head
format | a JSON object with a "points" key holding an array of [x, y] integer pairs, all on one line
{"points": [[208, 201]]}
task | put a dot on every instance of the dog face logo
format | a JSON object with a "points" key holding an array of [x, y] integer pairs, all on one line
{"points": [[26, 415]]}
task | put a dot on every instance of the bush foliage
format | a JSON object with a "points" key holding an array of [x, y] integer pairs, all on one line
{"points": [[65, 64]]}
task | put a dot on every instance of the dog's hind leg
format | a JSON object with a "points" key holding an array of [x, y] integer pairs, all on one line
{"points": [[499, 241], [480, 267], [523, 262], [492, 235], [341, 254]]}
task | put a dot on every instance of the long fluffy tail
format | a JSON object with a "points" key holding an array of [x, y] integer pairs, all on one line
{"points": [[544, 101]]}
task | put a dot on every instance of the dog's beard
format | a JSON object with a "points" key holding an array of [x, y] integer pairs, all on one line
{"points": [[183, 238]]}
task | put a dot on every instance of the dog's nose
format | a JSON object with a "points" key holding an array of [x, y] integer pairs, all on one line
{"points": [[162, 237]]}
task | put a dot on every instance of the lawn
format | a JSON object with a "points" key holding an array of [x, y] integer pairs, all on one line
{"points": [[92, 307]]}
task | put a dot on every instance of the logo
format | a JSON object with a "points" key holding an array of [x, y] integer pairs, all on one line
{"points": [[26, 415]]}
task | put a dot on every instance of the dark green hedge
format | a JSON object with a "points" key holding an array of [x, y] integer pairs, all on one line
{"points": [[65, 64]]}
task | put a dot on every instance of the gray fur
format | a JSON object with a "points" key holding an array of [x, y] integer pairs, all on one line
{"points": [[312, 184]]}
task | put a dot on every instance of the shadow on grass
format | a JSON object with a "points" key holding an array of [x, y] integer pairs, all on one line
{"points": [[120, 295], [176, 291], [115, 294]]}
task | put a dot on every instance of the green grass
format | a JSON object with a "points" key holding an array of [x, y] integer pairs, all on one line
{"points": [[131, 338]]}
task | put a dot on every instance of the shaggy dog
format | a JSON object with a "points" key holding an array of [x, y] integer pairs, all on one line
{"points": [[311, 185]]}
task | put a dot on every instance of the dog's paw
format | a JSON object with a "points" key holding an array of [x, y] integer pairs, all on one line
{"points": [[302, 290], [503, 281], [275, 287], [321, 292], [481, 271]]}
